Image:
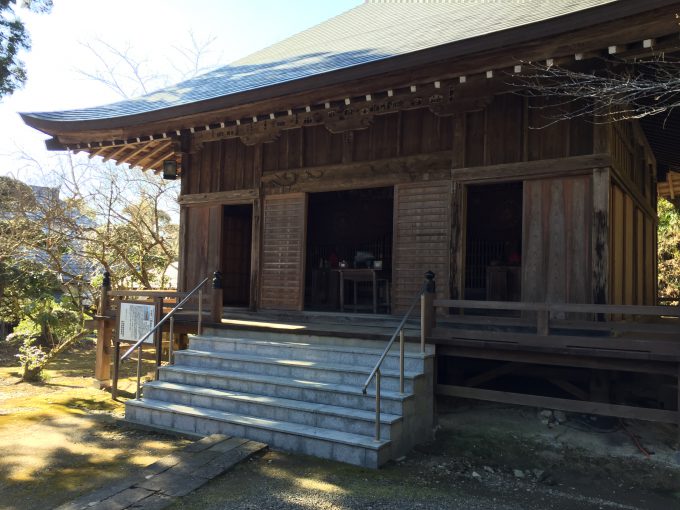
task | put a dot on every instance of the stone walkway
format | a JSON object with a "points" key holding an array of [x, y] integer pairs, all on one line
{"points": [[173, 476]]}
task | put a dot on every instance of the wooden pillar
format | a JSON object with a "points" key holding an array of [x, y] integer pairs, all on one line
{"points": [[183, 149], [102, 367], [255, 249], [600, 235], [458, 213], [215, 259]]}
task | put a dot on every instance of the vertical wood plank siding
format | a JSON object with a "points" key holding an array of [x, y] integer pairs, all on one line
{"points": [[422, 239], [566, 226], [224, 165], [632, 272], [556, 251], [283, 252]]}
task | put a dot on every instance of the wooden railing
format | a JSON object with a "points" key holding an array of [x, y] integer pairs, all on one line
{"points": [[163, 300], [627, 338]]}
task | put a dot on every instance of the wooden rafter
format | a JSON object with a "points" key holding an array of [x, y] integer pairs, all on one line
{"points": [[96, 152], [115, 154], [154, 153], [130, 157], [159, 160]]}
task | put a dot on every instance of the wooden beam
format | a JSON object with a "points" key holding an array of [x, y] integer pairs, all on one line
{"points": [[127, 159], [558, 359], [153, 153], [114, 154], [599, 408], [364, 174], [233, 197], [153, 165], [494, 373], [97, 152], [524, 306], [575, 165], [570, 388]]}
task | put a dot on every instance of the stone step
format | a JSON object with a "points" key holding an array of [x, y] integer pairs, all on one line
{"points": [[294, 369], [315, 338], [275, 408], [329, 444], [310, 391], [301, 350]]}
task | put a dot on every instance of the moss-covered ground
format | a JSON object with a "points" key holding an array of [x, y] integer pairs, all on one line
{"points": [[62, 437]]}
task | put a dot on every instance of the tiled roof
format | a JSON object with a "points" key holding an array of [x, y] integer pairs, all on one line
{"points": [[373, 31]]}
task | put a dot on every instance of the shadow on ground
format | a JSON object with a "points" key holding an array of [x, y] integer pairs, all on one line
{"points": [[61, 437]]}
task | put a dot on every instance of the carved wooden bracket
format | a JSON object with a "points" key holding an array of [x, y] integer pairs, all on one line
{"points": [[359, 114], [458, 106]]}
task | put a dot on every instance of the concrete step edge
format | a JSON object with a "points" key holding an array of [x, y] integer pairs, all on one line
{"points": [[394, 351], [297, 405], [295, 363], [282, 381], [274, 425]]}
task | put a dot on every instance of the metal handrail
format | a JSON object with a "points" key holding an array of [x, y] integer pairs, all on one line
{"points": [[170, 316], [397, 331], [428, 286]]}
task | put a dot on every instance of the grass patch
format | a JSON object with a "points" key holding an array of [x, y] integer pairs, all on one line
{"points": [[61, 437]]}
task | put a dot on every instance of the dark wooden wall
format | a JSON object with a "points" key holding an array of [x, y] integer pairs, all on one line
{"points": [[224, 165], [510, 129]]}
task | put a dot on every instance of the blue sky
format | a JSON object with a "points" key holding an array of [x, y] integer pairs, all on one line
{"points": [[150, 28]]}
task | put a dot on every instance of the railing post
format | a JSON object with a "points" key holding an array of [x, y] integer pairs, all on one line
{"points": [[199, 327], [171, 339], [401, 361], [158, 336], [139, 371], [216, 308], [377, 405], [102, 367], [427, 309]]}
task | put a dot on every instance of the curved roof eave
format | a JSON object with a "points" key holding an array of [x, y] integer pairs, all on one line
{"points": [[490, 41]]}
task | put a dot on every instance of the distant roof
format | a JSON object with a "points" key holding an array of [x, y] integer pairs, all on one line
{"points": [[374, 31]]}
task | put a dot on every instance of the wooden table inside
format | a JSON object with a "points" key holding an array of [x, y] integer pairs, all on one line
{"points": [[356, 276]]}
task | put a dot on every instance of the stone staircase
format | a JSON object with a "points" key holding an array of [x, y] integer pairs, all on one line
{"points": [[297, 393]]}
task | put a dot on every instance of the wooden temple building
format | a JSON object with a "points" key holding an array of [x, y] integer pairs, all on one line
{"points": [[324, 175]]}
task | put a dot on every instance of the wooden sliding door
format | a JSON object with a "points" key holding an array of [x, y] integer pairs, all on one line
{"points": [[283, 252]]}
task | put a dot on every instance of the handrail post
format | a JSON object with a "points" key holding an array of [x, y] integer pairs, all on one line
{"points": [[401, 361], [199, 327], [377, 405], [171, 339], [217, 297], [427, 309], [139, 371]]}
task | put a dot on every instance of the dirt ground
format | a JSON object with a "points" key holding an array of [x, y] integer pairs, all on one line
{"points": [[61, 438], [484, 457]]}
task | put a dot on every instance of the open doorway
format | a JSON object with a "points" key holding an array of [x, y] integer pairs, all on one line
{"points": [[349, 231], [236, 249], [493, 250]]}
